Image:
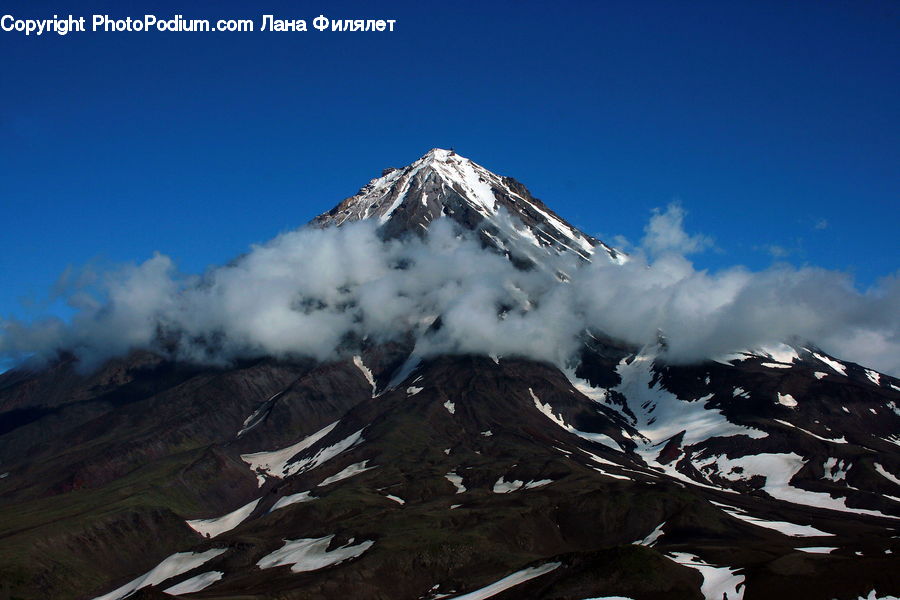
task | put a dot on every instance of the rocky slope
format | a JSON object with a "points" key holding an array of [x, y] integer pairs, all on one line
{"points": [[444, 184]]}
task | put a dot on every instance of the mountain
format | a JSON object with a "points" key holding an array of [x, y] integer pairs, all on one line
{"points": [[768, 473], [444, 184]]}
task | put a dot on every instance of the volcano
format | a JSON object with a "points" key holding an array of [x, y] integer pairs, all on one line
{"points": [[389, 473], [444, 184]]}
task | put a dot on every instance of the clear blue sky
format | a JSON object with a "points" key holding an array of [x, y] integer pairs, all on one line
{"points": [[774, 123]]}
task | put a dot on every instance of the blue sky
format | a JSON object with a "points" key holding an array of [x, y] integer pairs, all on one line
{"points": [[774, 124]]}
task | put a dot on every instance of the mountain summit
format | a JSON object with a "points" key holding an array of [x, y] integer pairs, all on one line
{"points": [[445, 184]]}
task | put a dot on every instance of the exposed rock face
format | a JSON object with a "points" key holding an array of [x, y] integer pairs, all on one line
{"points": [[442, 183], [773, 473]]}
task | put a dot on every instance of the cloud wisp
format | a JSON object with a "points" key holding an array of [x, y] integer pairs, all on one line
{"points": [[310, 291]]}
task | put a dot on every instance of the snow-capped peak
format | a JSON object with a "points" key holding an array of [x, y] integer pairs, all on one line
{"points": [[444, 184]]}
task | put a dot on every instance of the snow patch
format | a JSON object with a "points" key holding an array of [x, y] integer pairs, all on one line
{"points": [[530, 485], [660, 415], [778, 469], [472, 180], [358, 361], [219, 525], [874, 376], [836, 470], [275, 462], [818, 549], [597, 394], [595, 458], [505, 487], [451, 407], [196, 583], [178, 563], [887, 474], [779, 352], [786, 400], [350, 471], [603, 461], [322, 456], [547, 410], [406, 369], [840, 368], [507, 582], [457, 481], [840, 440], [651, 537], [873, 595], [785, 527], [292, 499], [256, 417], [613, 475], [311, 554], [717, 581]]}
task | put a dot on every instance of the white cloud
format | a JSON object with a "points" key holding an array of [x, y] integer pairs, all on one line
{"points": [[776, 251], [307, 292], [665, 233]]}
